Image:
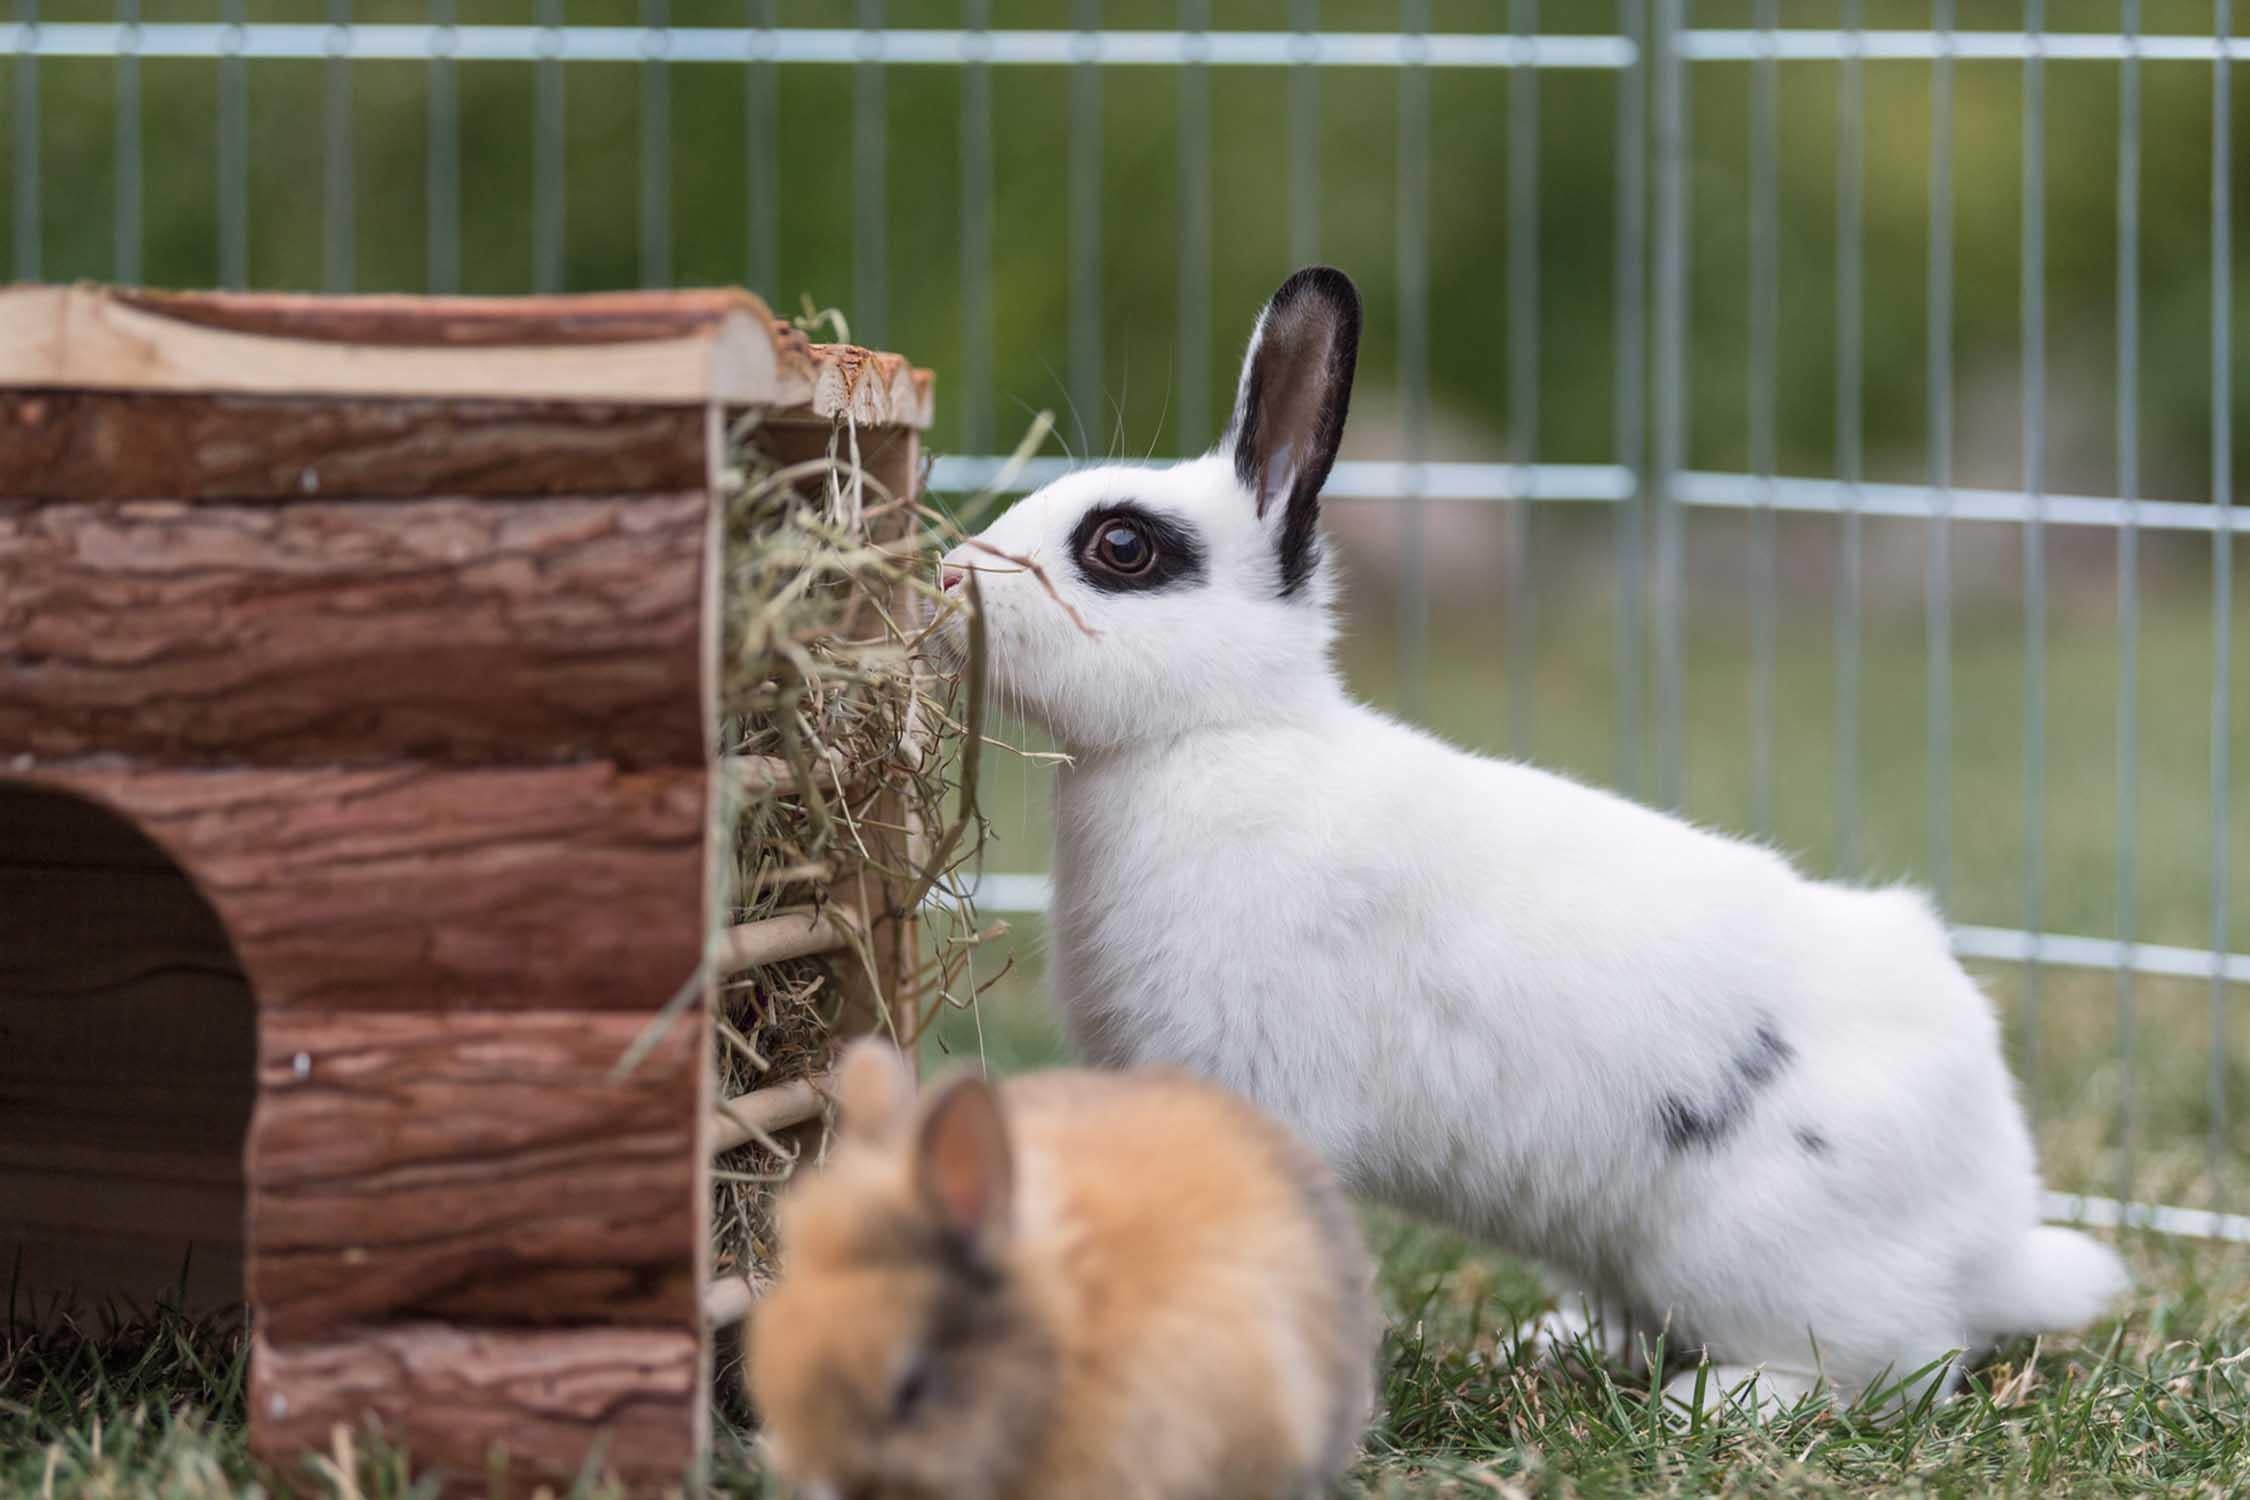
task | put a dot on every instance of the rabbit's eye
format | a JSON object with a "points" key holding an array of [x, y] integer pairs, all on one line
{"points": [[1123, 548], [912, 1390]]}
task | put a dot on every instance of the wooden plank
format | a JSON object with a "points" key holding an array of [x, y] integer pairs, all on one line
{"points": [[491, 1169], [449, 1395], [425, 888], [89, 338], [662, 348], [394, 320], [335, 633], [105, 445]]}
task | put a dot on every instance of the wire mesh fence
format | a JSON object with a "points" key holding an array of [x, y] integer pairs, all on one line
{"points": [[1721, 348]]}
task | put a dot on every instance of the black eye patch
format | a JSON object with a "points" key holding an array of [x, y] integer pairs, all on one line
{"points": [[1123, 548]]}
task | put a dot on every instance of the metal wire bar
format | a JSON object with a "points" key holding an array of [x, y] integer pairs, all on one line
{"points": [[1304, 137], [1018, 893], [442, 169], [1827, 45], [1937, 586], [234, 149], [656, 147], [1851, 291], [870, 189], [2034, 317], [549, 223], [1193, 361], [337, 187], [839, 45], [1670, 457], [125, 229], [1351, 479], [1086, 394], [2222, 577], [1765, 315], [2108, 1213], [762, 153], [1628, 427], [1414, 362], [1519, 603], [975, 398], [1829, 497], [26, 214], [2128, 573], [1702, 489]]}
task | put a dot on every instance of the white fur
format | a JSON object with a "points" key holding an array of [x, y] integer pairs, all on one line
{"points": [[1473, 986]]}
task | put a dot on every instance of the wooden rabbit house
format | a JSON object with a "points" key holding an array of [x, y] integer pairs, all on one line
{"points": [[356, 838]]}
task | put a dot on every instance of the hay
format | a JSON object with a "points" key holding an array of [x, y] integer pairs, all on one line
{"points": [[847, 744]]}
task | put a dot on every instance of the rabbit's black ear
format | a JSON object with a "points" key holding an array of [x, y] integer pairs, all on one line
{"points": [[1289, 412]]}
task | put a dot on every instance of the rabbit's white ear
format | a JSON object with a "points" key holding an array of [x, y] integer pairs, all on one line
{"points": [[1290, 408]]}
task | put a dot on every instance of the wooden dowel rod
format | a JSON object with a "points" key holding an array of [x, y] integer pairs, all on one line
{"points": [[759, 774], [727, 1301], [764, 1111], [799, 932]]}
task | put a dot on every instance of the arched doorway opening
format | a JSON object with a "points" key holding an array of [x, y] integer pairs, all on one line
{"points": [[128, 1065]]}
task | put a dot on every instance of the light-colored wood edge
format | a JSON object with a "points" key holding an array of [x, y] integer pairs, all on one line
{"points": [[89, 337]]}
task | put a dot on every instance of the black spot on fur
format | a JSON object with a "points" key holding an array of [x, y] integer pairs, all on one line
{"points": [[1688, 1121], [1177, 553], [1813, 1142]]}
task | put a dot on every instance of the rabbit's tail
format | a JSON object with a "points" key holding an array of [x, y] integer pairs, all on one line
{"points": [[2055, 1280]]}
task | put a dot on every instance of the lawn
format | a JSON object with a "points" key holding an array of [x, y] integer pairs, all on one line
{"points": [[2158, 1399]]}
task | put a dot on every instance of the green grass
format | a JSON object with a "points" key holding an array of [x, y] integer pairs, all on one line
{"points": [[2158, 1400]]}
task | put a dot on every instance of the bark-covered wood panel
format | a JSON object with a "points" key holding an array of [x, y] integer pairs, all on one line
{"points": [[349, 633], [426, 888], [126, 445], [487, 1169], [450, 1395]]}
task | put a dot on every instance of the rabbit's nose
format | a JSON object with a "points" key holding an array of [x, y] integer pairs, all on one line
{"points": [[951, 578]]}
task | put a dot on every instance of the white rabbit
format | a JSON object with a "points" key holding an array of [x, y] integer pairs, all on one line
{"points": [[1764, 1115]]}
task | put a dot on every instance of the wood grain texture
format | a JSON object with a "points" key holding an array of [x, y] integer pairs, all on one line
{"points": [[487, 1169], [413, 321], [549, 1398], [122, 445], [340, 633], [423, 888], [96, 338], [662, 348]]}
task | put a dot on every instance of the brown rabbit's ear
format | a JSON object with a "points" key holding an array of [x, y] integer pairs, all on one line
{"points": [[874, 1089], [964, 1168]]}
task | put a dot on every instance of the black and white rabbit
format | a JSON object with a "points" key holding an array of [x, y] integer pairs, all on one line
{"points": [[1765, 1114]]}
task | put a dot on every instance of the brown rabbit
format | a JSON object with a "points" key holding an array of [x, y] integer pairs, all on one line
{"points": [[1072, 1284]]}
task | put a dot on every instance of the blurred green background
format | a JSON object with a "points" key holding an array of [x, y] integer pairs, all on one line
{"points": [[866, 214]]}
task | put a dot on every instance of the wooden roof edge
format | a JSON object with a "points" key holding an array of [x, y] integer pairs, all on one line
{"points": [[657, 348]]}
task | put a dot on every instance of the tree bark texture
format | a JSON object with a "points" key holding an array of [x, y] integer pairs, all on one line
{"points": [[498, 1170], [113, 445], [420, 888], [342, 633]]}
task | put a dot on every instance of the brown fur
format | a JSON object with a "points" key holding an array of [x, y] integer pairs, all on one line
{"points": [[1172, 1302]]}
